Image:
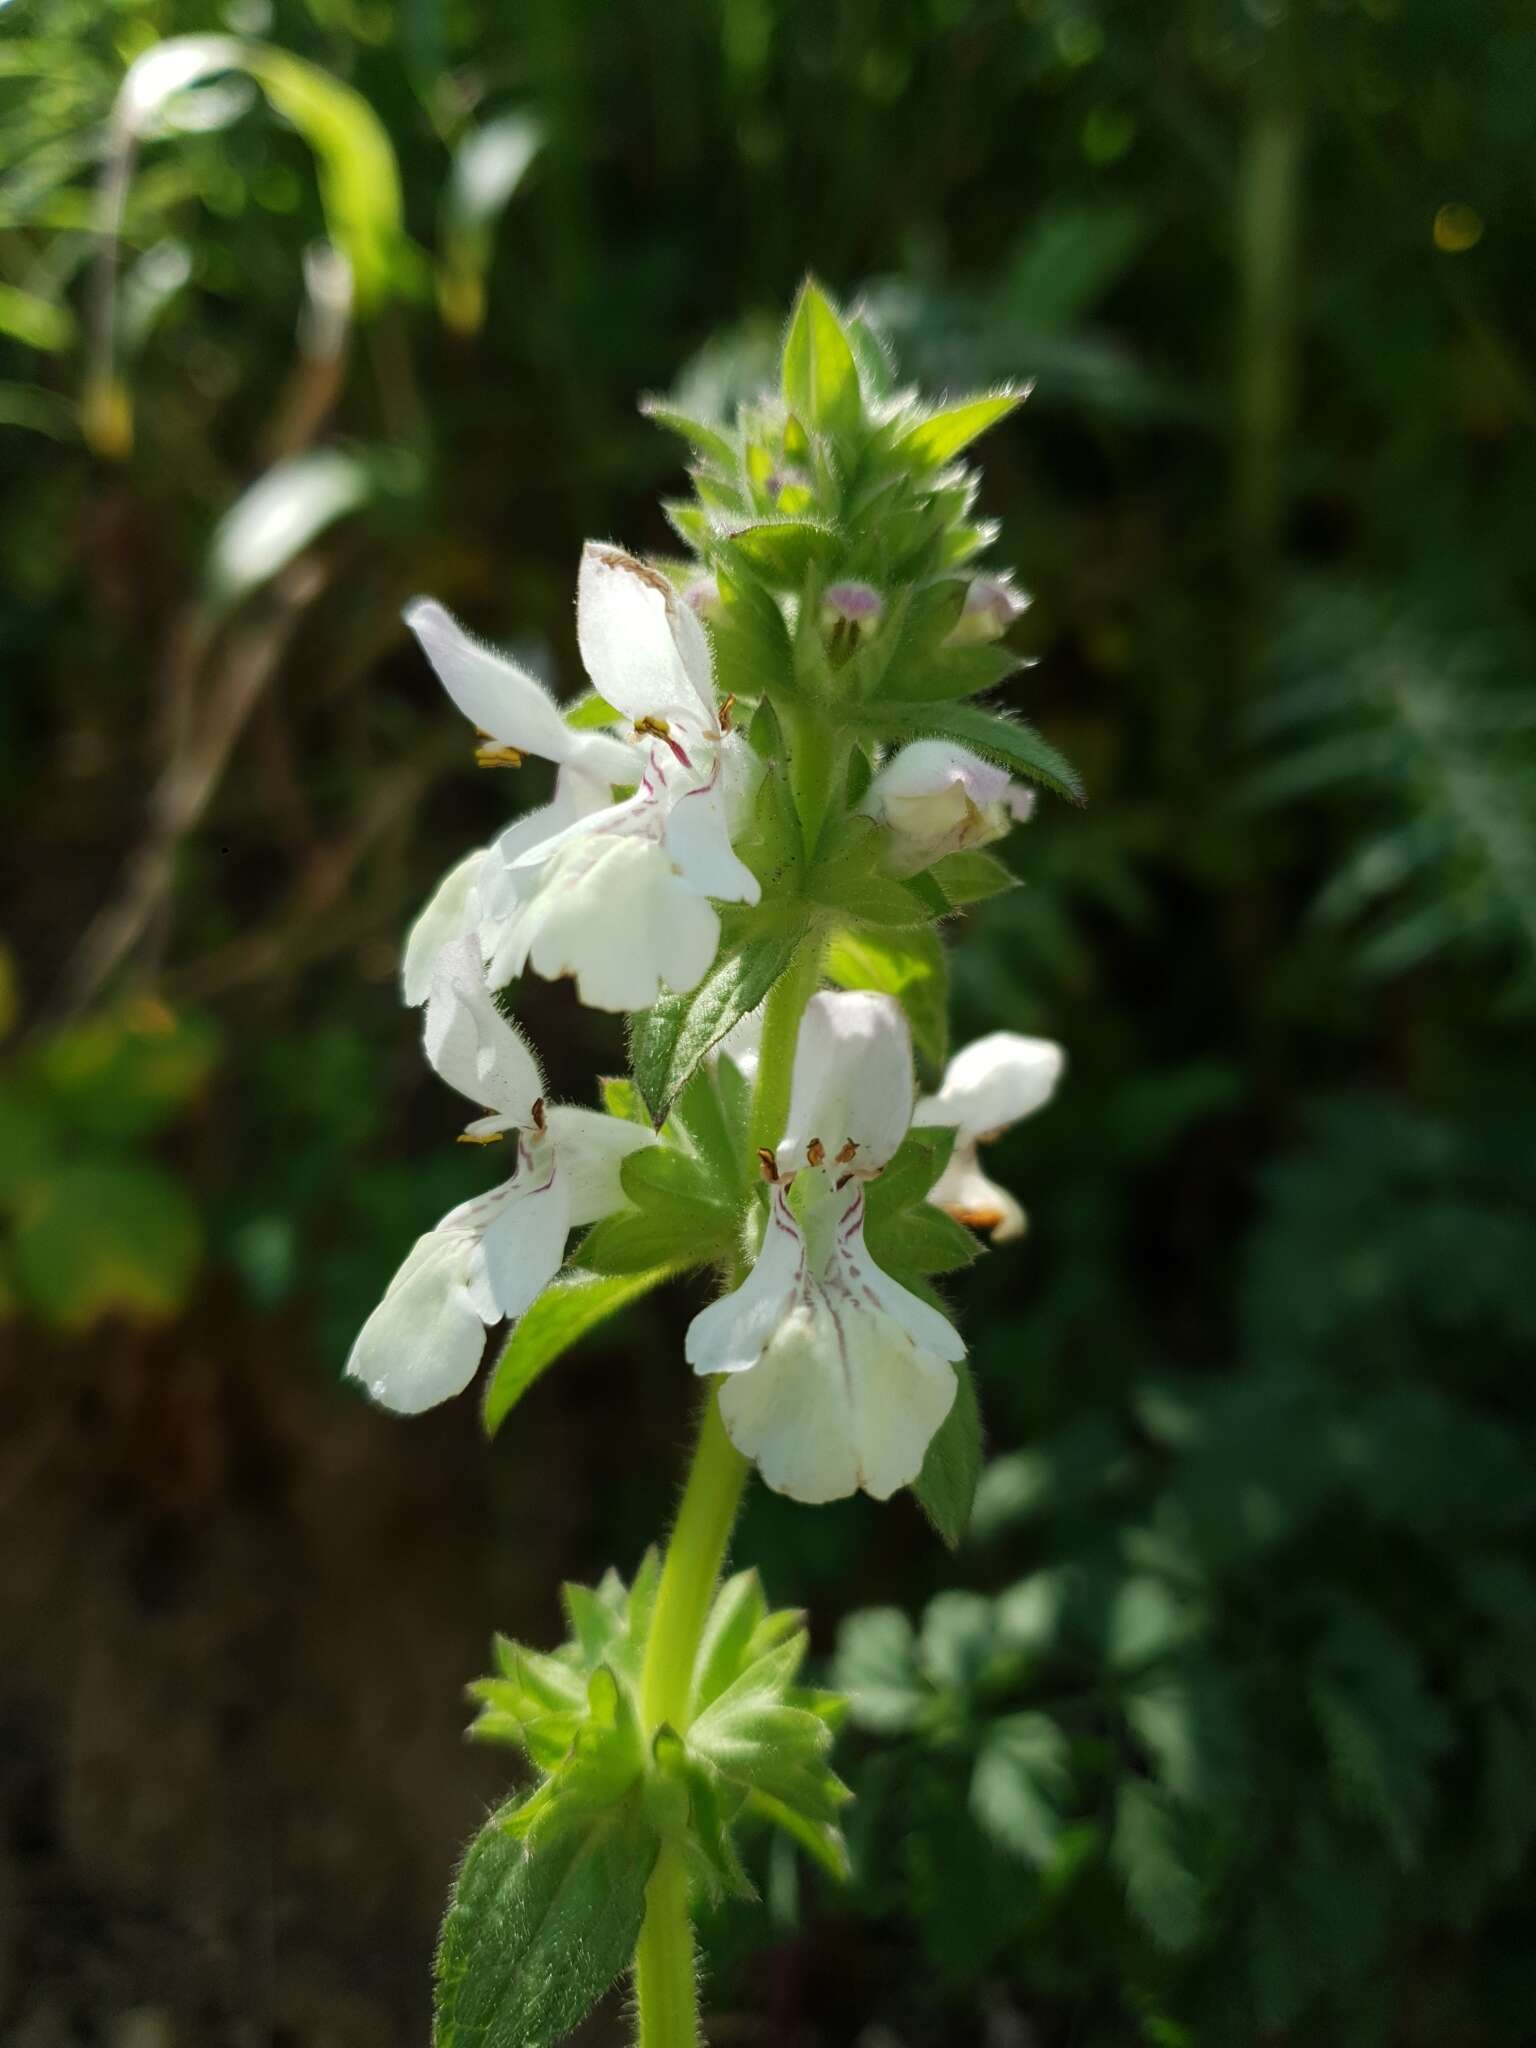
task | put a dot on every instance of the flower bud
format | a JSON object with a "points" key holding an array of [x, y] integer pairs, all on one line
{"points": [[991, 605], [703, 595], [936, 798], [856, 607]]}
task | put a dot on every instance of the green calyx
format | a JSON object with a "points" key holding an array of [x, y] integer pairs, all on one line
{"points": [[754, 1752]]}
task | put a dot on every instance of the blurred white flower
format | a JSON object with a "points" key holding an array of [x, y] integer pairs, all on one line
{"points": [[615, 894], [837, 1377], [935, 797], [991, 1083], [493, 1256], [992, 603]]}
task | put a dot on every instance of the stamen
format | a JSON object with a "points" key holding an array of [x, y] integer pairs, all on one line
{"points": [[538, 1114], [479, 1137], [769, 1165], [653, 727], [494, 755], [845, 1157], [815, 1152], [725, 712]]}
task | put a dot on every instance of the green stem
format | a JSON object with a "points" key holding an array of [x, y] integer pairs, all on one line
{"points": [[666, 1981], [781, 1028], [666, 1985]]}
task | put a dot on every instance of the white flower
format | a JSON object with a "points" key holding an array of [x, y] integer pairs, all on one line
{"points": [[935, 797], [990, 1084], [494, 1255], [837, 1376], [615, 894]]}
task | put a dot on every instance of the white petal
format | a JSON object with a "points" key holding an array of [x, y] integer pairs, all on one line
{"points": [[852, 1079], [730, 1334], [929, 767], [612, 911], [590, 1147], [839, 1401], [965, 1191], [503, 700], [423, 1342], [471, 1044], [699, 840], [450, 913], [993, 1082], [524, 1242], [642, 646]]}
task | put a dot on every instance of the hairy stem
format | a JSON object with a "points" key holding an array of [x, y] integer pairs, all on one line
{"points": [[666, 1982], [781, 1028]]}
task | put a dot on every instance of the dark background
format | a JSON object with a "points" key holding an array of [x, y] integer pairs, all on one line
{"points": [[1232, 1735]]}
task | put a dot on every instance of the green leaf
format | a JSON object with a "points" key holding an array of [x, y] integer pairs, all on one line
{"points": [[99, 1238], [916, 1164], [782, 550], [910, 965], [940, 438], [709, 441], [1161, 1889], [921, 1243], [1021, 1775], [678, 1192], [820, 376], [535, 1935], [1008, 741], [563, 1314], [972, 876], [709, 1115], [679, 1238], [668, 1041], [946, 1486]]}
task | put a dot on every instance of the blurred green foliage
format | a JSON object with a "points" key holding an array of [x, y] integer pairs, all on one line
{"points": [[1232, 1732]]}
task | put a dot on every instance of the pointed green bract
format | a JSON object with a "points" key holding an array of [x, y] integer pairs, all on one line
{"points": [[941, 437], [820, 375], [709, 441]]}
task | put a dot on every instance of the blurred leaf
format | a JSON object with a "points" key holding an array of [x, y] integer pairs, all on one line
{"points": [[1020, 1778], [127, 1072], [1161, 1889], [100, 1238], [876, 1667], [35, 322]]}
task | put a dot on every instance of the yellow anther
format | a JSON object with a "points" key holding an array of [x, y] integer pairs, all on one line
{"points": [[655, 728], [479, 1137], [494, 755]]}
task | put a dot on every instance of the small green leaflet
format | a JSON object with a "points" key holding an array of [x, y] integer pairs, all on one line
{"points": [[941, 437], [668, 1041], [709, 441], [781, 550], [820, 375], [946, 1486], [561, 1317], [535, 1936]]}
